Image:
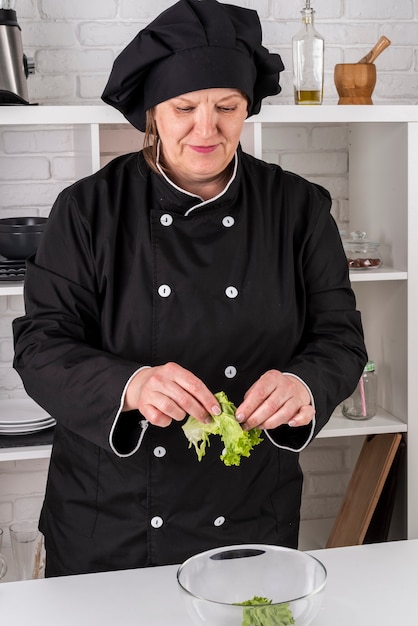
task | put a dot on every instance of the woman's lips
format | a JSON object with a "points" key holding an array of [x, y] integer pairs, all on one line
{"points": [[203, 149]]}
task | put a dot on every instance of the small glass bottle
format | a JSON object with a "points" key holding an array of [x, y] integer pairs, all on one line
{"points": [[308, 61], [362, 404]]}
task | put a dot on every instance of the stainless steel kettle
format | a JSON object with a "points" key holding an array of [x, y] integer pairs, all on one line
{"points": [[15, 67]]}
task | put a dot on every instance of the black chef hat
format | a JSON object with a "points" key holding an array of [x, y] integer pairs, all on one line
{"points": [[195, 44]]}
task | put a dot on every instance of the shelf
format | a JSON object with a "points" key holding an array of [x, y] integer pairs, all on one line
{"points": [[25, 453], [381, 274], [11, 288], [68, 115], [282, 113], [383, 422], [329, 114]]}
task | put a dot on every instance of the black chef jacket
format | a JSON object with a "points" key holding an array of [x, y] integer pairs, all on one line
{"points": [[133, 272]]}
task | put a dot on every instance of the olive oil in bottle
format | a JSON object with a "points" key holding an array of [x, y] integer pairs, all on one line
{"points": [[308, 60]]}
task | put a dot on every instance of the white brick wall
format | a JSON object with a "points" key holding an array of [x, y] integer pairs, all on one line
{"points": [[74, 43]]}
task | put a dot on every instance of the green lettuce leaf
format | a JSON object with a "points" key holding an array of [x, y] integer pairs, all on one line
{"points": [[266, 614], [237, 442]]}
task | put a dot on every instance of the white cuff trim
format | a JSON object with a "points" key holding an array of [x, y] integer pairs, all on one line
{"points": [[144, 423]]}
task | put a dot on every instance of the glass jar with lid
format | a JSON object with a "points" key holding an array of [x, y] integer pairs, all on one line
{"points": [[361, 253]]}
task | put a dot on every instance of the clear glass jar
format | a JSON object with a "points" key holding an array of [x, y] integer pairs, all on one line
{"points": [[308, 60], [362, 404], [361, 253]]}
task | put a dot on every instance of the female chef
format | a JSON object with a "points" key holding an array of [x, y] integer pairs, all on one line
{"points": [[169, 275]]}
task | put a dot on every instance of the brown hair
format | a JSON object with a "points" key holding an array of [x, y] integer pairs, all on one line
{"points": [[150, 141]]}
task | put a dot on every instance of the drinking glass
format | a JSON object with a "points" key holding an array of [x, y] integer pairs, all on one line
{"points": [[27, 549], [3, 564]]}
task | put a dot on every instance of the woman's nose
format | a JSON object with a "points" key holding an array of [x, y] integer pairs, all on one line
{"points": [[205, 122]]}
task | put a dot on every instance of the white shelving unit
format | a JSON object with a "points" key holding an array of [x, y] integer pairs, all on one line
{"points": [[383, 196]]}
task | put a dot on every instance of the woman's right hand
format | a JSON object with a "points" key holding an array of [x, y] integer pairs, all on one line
{"points": [[169, 392]]}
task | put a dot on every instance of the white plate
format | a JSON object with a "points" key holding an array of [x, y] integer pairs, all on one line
{"points": [[21, 411], [39, 422], [26, 423], [25, 430]]}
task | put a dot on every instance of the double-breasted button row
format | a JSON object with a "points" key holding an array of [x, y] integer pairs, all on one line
{"points": [[158, 522], [167, 220], [165, 291], [231, 292]]}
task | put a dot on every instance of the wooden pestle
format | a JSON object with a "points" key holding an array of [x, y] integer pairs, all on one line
{"points": [[381, 45]]}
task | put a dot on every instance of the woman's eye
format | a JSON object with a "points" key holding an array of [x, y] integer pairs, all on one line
{"points": [[184, 109], [227, 109]]}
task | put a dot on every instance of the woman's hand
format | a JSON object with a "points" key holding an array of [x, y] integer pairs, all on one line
{"points": [[275, 399], [169, 392]]}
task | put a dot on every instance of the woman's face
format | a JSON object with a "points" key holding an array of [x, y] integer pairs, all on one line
{"points": [[199, 133]]}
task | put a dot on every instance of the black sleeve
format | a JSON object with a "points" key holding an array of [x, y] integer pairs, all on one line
{"points": [[58, 342], [332, 355]]}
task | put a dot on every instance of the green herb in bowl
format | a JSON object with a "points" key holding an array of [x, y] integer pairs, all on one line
{"points": [[264, 613]]}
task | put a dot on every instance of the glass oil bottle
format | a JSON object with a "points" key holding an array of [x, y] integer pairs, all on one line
{"points": [[308, 60]]}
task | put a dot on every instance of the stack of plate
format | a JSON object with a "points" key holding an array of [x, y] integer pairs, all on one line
{"points": [[21, 417], [12, 270]]}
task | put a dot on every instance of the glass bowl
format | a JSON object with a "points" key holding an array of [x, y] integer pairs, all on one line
{"points": [[289, 584]]}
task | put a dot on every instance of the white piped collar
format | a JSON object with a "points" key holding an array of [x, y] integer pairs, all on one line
{"points": [[192, 195]]}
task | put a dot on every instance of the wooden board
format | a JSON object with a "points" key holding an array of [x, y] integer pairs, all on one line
{"points": [[364, 490]]}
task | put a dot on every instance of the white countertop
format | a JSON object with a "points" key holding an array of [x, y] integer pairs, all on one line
{"points": [[367, 586]]}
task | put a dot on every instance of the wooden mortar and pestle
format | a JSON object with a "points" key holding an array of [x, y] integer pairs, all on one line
{"points": [[355, 81]]}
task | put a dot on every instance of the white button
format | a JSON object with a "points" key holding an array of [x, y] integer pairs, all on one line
{"points": [[157, 521], [164, 291], [219, 521], [230, 371], [228, 221], [166, 219], [231, 292], [159, 451]]}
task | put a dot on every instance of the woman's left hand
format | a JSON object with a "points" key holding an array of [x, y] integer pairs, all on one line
{"points": [[275, 399]]}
